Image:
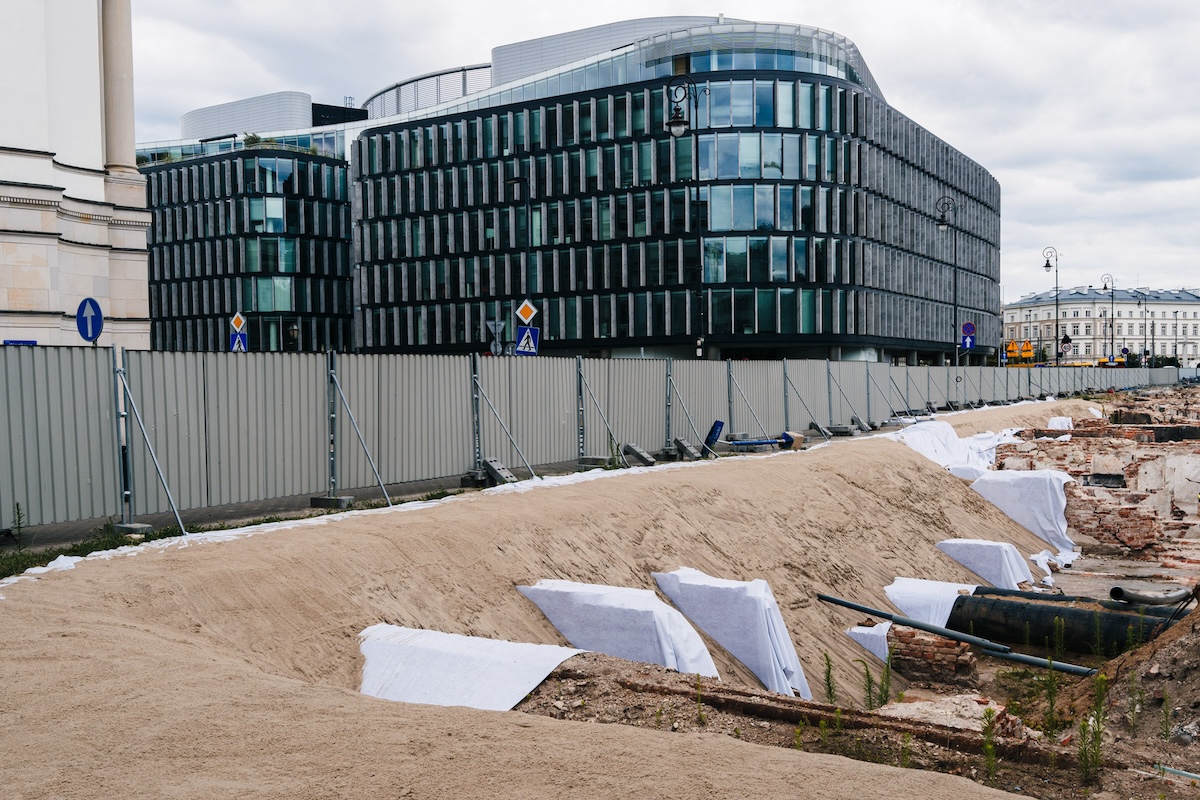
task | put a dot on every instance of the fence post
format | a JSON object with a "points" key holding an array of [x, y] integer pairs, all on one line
{"points": [[579, 406], [829, 388], [120, 422], [476, 432], [787, 416], [667, 438], [867, 364], [331, 399], [729, 394]]}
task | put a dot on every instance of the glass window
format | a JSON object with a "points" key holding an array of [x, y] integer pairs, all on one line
{"points": [[741, 103], [266, 295], [706, 158], [743, 208], [720, 208], [764, 208], [250, 258], [804, 105], [768, 320], [743, 311], [787, 208], [779, 259], [749, 156], [736, 259], [274, 215], [772, 156], [720, 318], [714, 260], [760, 260], [791, 157], [287, 255], [764, 104], [727, 155], [719, 101], [785, 116]]}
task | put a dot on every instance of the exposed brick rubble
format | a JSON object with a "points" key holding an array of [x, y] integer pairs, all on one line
{"points": [[922, 656], [1136, 485]]}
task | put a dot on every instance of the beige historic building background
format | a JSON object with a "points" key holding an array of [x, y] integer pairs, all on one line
{"points": [[72, 203]]}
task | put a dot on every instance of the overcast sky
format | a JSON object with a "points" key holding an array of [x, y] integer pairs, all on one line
{"points": [[1086, 111]]}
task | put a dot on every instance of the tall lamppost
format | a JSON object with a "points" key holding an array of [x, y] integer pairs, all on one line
{"points": [[1110, 284], [1144, 305], [1049, 253], [1176, 327], [944, 204], [681, 90]]}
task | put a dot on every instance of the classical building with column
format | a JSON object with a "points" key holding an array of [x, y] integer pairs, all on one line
{"points": [[1104, 325], [73, 214]]}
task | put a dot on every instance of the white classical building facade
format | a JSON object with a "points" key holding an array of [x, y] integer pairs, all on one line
{"points": [[73, 214], [1102, 322]]}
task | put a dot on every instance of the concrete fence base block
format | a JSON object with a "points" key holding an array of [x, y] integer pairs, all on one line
{"points": [[331, 502]]}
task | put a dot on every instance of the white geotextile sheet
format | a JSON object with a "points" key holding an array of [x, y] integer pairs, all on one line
{"points": [[1060, 424], [926, 601], [967, 473], [873, 638], [445, 669], [938, 442], [1036, 500], [743, 617], [998, 563], [627, 623]]}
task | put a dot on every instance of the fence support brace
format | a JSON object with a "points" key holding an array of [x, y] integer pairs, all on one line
{"points": [[333, 379]]}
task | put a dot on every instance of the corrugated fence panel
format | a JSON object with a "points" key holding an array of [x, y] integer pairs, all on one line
{"points": [[635, 400], [881, 397], [426, 420], [762, 384], [360, 379], [58, 454], [540, 408], [849, 391], [267, 427], [701, 390], [535, 399], [168, 389], [808, 401]]}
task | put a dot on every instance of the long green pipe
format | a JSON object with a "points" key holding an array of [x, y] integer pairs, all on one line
{"points": [[914, 623]]}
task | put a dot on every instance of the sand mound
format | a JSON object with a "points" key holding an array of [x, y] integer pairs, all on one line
{"points": [[232, 668]]}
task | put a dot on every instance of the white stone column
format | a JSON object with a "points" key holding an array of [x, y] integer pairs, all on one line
{"points": [[116, 22]]}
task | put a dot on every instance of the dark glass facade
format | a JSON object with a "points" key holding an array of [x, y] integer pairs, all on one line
{"points": [[260, 231], [795, 218]]}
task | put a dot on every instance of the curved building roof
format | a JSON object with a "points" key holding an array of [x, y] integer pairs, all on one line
{"points": [[592, 59]]}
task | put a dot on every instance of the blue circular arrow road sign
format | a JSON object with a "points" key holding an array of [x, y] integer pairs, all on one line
{"points": [[89, 320]]}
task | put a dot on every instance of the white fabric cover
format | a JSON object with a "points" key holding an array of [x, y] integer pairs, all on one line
{"points": [[998, 563], [1061, 424], [1033, 498], [743, 617], [938, 442], [627, 623], [926, 601], [445, 669], [873, 638], [967, 473]]}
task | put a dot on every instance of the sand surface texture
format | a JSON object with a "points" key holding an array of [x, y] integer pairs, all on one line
{"points": [[231, 669]]}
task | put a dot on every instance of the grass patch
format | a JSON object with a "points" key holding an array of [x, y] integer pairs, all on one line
{"points": [[103, 538]]}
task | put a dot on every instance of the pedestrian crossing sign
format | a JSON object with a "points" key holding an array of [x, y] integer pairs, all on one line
{"points": [[527, 340]]}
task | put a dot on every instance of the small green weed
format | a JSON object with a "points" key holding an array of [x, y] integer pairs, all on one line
{"points": [[830, 685], [989, 744]]}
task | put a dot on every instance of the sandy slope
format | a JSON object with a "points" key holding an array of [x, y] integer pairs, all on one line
{"points": [[231, 669]]}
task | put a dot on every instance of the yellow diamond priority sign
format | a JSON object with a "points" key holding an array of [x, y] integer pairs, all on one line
{"points": [[526, 311]]}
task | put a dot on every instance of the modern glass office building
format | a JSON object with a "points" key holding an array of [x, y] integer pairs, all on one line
{"points": [[797, 214], [263, 231]]}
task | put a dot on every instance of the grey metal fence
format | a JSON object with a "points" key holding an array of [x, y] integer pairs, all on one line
{"points": [[230, 428]]}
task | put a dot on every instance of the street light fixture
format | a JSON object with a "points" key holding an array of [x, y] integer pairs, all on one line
{"points": [[1110, 283], [1049, 253], [682, 89], [945, 204]]}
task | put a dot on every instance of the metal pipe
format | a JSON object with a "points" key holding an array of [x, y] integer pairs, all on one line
{"points": [[1171, 598], [914, 623], [1034, 661], [1189, 775]]}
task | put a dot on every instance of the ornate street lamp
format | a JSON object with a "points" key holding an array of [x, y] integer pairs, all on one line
{"points": [[1110, 284], [1049, 253], [946, 204], [681, 90]]}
